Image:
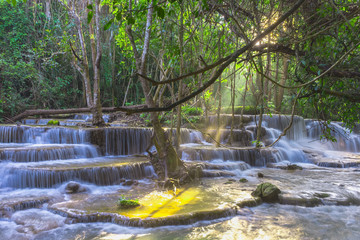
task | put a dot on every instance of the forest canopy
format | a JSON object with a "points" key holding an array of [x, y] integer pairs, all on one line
{"points": [[219, 56]]}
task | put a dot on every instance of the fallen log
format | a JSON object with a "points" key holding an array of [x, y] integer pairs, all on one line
{"points": [[45, 112]]}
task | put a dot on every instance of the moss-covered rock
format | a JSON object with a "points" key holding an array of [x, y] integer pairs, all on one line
{"points": [[53, 123], [243, 180], [291, 167], [267, 192], [128, 203]]}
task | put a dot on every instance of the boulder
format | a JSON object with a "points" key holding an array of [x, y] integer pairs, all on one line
{"points": [[267, 192], [74, 187], [130, 182]]}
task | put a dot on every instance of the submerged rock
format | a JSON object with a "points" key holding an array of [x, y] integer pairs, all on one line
{"points": [[291, 167], [130, 182], [260, 175], [299, 201], [251, 202], [267, 192], [74, 187], [35, 221]]}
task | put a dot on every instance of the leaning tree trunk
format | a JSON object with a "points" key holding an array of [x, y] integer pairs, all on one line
{"points": [[167, 164]]}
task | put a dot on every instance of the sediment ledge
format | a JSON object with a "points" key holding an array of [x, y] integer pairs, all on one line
{"points": [[7, 208], [182, 219]]}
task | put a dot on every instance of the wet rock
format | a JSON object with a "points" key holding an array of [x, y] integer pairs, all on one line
{"points": [[130, 182], [212, 174], [8, 207], [321, 195], [35, 221], [195, 170], [267, 192], [74, 187], [260, 175], [291, 167], [255, 128], [243, 180], [171, 184], [251, 202], [298, 201]]}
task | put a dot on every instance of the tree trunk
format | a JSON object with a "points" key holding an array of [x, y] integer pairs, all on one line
{"points": [[231, 139], [283, 81], [276, 92], [218, 134], [47, 9], [96, 110], [168, 164], [112, 57], [84, 61], [47, 112], [261, 88], [244, 100], [181, 46]]}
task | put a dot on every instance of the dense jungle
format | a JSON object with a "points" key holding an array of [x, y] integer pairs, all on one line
{"points": [[178, 119]]}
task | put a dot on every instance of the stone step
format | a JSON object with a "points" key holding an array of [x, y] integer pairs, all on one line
{"points": [[99, 171], [46, 152], [251, 156]]}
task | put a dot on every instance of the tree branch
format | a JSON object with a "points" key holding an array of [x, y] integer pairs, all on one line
{"points": [[232, 57]]}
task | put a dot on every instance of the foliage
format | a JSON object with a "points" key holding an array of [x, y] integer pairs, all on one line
{"points": [[252, 110], [36, 69], [53, 122], [191, 111], [124, 202]]}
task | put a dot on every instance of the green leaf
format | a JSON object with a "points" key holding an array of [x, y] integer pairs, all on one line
{"points": [[130, 20], [90, 15], [13, 2], [108, 25], [160, 12], [90, 6], [118, 16]]}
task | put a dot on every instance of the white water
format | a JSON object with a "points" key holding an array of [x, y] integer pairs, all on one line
{"points": [[48, 158]]}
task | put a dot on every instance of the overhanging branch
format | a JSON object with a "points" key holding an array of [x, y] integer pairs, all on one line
{"points": [[232, 57]]}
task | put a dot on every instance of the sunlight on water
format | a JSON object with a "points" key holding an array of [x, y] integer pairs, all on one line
{"points": [[161, 204]]}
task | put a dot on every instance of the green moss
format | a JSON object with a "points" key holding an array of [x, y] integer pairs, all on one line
{"points": [[123, 202], [243, 180], [291, 167], [267, 192], [322, 195], [53, 123]]}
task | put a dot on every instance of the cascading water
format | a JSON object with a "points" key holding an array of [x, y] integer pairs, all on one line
{"points": [[38, 163]]}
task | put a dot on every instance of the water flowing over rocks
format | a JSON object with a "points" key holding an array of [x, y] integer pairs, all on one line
{"points": [[58, 178]]}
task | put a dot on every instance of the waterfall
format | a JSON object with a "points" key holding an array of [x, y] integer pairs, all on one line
{"points": [[345, 140], [25, 134], [127, 141], [36, 153], [47, 178]]}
